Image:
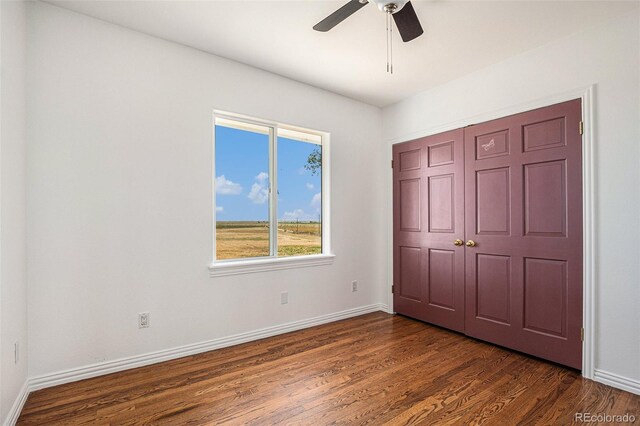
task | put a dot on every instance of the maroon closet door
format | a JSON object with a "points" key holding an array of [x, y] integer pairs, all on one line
{"points": [[428, 216], [523, 198]]}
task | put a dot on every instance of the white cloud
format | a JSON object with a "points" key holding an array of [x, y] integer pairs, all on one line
{"points": [[262, 177], [298, 214], [259, 193], [310, 186], [219, 209], [316, 201], [226, 187]]}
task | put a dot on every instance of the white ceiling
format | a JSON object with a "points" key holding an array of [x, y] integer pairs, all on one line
{"points": [[460, 37]]}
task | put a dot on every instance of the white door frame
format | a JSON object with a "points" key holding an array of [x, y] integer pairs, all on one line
{"points": [[588, 202]]}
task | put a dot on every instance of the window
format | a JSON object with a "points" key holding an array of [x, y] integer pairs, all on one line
{"points": [[270, 192]]}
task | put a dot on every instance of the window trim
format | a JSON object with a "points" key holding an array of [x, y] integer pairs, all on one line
{"points": [[273, 262], [238, 267]]}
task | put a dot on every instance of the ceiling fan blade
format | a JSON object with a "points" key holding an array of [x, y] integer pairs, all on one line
{"points": [[407, 22], [339, 15]]}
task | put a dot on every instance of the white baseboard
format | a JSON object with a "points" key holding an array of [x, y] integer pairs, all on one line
{"points": [[16, 408], [385, 308], [99, 369], [617, 381]]}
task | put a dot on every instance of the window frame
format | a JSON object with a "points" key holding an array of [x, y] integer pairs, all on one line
{"points": [[273, 262]]}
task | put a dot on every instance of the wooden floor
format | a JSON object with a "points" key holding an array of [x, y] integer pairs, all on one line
{"points": [[372, 369]]}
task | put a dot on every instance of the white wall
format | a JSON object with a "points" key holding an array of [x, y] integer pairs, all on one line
{"points": [[13, 277], [607, 56], [119, 186], [119, 195]]}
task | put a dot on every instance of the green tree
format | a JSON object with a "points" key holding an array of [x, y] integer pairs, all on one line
{"points": [[314, 162]]}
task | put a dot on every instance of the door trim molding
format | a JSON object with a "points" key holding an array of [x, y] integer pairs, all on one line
{"points": [[586, 94]]}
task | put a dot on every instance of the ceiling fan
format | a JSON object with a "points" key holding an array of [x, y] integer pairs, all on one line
{"points": [[401, 11]]}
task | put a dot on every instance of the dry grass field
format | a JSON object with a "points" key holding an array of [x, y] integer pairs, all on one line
{"points": [[251, 239]]}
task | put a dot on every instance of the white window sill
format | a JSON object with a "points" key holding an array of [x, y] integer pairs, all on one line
{"points": [[237, 267]]}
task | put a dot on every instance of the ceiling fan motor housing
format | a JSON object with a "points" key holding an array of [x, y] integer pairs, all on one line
{"points": [[382, 4]]}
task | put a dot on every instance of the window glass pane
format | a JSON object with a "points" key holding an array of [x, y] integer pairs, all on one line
{"points": [[299, 195], [242, 190]]}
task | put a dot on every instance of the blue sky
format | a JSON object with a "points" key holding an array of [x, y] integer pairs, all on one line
{"points": [[242, 180]]}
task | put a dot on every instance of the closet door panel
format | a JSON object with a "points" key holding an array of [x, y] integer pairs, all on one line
{"points": [[523, 211], [428, 186]]}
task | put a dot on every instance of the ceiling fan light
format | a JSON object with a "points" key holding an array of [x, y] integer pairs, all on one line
{"points": [[383, 3]]}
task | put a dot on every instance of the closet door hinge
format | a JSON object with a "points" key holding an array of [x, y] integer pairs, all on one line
{"points": [[582, 334], [392, 164], [581, 127], [393, 289]]}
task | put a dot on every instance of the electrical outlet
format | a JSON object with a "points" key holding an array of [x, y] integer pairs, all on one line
{"points": [[143, 320], [284, 297], [16, 352], [354, 286]]}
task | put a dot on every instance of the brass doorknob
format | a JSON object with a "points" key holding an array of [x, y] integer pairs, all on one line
{"points": [[458, 242], [471, 243]]}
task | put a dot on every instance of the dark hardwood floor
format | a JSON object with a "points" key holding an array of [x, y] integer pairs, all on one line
{"points": [[372, 369]]}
